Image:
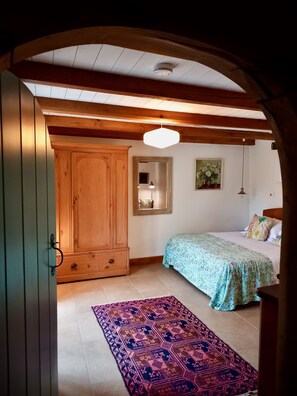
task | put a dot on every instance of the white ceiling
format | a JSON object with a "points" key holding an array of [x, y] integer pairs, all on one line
{"points": [[123, 61]]}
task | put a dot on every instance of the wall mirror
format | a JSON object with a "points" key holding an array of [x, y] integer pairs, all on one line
{"points": [[152, 185]]}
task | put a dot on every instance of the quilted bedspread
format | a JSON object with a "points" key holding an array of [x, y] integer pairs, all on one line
{"points": [[227, 272]]}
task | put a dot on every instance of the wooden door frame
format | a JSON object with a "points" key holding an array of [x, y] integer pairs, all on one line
{"points": [[265, 81]]}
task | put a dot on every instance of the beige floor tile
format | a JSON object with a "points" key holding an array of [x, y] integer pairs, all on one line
{"points": [[92, 285], [195, 300], [149, 269], [240, 337], [149, 286], [101, 364], [69, 340], [66, 311], [121, 291], [177, 283], [73, 376], [251, 355], [114, 280], [148, 282], [250, 313], [84, 301], [156, 293], [89, 328], [110, 387], [124, 296], [64, 291]]}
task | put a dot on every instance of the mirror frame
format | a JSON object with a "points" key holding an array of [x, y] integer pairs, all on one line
{"points": [[168, 208]]}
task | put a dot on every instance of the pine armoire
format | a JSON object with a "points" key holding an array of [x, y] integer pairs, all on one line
{"points": [[91, 210]]}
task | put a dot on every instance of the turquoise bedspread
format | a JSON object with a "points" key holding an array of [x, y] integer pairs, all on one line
{"points": [[226, 271]]}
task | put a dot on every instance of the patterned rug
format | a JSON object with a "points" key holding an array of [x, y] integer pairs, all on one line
{"points": [[162, 348]]}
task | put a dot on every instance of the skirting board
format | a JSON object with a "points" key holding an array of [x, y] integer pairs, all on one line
{"points": [[146, 260]]}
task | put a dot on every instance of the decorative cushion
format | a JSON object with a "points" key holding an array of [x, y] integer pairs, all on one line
{"points": [[259, 227]]}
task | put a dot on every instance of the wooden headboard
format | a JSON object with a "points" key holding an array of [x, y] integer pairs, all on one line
{"points": [[277, 213]]}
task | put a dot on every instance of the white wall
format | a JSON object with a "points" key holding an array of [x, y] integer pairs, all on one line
{"points": [[265, 187], [193, 210]]}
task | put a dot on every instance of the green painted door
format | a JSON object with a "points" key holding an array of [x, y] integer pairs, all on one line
{"points": [[28, 304]]}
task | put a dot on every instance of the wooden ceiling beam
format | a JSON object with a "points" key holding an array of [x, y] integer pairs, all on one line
{"points": [[61, 131], [138, 128], [135, 114], [62, 76]]}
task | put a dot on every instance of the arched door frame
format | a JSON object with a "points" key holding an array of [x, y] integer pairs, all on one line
{"points": [[266, 86]]}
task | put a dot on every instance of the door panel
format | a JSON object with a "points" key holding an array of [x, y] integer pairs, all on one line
{"points": [[28, 359], [13, 220], [120, 199], [91, 200], [64, 200], [30, 236], [53, 325], [3, 309], [42, 247]]}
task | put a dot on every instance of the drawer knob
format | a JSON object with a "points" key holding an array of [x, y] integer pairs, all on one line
{"points": [[74, 266], [111, 261]]}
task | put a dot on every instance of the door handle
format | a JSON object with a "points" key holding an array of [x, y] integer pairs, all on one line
{"points": [[53, 246]]}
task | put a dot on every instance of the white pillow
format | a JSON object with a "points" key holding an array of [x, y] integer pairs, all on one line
{"points": [[276, 229], [275, 232], [243, 232]]}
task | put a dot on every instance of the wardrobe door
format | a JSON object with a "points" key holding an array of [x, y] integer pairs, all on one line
{"points": [[120, 200], [64, 200], [91, 201]]}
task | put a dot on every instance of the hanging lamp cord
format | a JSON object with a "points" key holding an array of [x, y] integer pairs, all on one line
{"points": [[242, 163]]}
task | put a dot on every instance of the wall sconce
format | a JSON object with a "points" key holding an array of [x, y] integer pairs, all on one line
{"points": [[152, 185], [161, 137], [242, 192]]}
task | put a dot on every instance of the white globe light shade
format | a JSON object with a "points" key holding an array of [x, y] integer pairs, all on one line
{"points": [[161, 137]]}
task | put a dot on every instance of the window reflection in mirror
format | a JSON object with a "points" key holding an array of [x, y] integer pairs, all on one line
{"points": [[152, 185]]}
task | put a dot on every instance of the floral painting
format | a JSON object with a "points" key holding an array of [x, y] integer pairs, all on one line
{"points": [[208, 174]]}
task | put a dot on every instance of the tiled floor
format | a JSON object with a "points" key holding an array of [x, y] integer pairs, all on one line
{"points": [[85, 364]]}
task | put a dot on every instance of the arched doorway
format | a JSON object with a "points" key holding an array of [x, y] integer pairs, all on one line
{"points": [[266, 82]]}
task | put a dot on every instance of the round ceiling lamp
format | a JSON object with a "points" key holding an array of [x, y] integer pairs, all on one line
{"points": [[161, 137], [163, 69]]}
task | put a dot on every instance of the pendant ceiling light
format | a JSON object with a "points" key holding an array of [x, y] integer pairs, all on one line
{"points": [[242, 192], [161, 137]]}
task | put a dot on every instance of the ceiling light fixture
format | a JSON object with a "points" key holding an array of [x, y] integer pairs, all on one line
{"points": [[163, 69], [161, 137], [242, 192]]}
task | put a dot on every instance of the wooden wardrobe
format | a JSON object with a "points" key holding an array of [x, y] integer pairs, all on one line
{"points": [[91, 210]]}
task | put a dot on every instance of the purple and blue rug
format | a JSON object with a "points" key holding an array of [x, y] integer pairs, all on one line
{"points": [[162, 348]]}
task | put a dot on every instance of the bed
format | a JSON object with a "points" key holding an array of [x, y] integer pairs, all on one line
{"points": [[229, 267]]}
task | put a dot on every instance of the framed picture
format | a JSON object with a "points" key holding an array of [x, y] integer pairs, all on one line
{"points": [[208, 174], [143, 178]]}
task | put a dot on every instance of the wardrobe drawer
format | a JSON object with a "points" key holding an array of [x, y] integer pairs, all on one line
{"points": [[80, 264], [112, 260]]}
